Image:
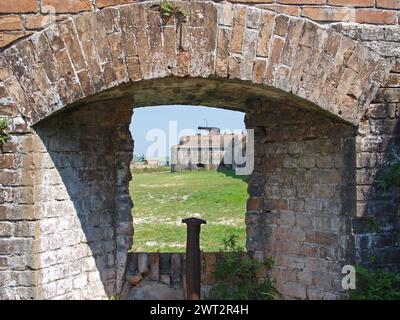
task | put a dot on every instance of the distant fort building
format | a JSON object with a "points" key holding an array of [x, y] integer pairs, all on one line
{"points": [[210, 152]]}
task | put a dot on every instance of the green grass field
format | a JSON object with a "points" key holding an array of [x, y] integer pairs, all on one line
{"points": [[162, 199]]}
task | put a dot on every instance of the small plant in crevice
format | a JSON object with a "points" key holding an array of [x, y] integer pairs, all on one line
{"points": [[4, 136], [373, 259], [391, 177], [236, 276], [168, 11], [373, 224], [375, 285]]}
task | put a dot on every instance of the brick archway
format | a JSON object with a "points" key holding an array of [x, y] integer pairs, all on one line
{"points": [[69, 92], [94, 52]]}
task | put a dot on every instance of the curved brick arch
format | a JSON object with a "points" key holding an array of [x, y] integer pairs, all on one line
{"points": [[90, 53], [55, 164]]}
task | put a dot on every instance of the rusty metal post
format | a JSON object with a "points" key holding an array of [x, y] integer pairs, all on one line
{"points": [[193, 263]]}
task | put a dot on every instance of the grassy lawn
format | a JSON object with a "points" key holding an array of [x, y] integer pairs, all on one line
{"points": [[162, 199]]}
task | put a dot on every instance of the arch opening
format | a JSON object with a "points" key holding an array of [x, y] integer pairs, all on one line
{"points": [[184, 166]]}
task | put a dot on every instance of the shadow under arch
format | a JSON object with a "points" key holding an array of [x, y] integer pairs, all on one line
{"points": [[377, 224]]}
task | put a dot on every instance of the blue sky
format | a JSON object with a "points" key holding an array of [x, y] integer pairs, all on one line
{"points": [[185, 117]]}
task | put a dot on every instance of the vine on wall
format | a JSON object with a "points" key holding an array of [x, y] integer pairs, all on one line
{"points": [[4, 136], [391, 177]]}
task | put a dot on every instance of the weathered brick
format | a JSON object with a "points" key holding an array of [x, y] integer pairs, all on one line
{"points": [[6, 230], [253, 18], [293, 36], [352, 3], [107, 3], [278, 204], [321, 238], [176, 269], [210, 267], [19, 6], [8, 161], [70, 6], [388, 4], [393, 81], [38, 22], [154, 261], [225, 14], [264, 38], [276, 53], [281, 25], [209, 42], [375, 16], [387, 95], [238, 26], [303, 221], [67, 32], [10, 23], [305, 277], [259, 70], [8, 37], [325, 13], [300, 2], [294, 290], [250, 42], [290, 233], [284, 9], [222, 59]]}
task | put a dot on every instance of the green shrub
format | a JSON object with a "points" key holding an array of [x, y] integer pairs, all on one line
{"points": [[391, 177], [236, 276], [378, 285], [3, 134]]}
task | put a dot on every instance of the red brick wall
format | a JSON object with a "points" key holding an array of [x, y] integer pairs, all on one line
{"points": [[19, 18]]}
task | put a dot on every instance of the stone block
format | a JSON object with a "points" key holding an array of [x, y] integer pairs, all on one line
{"points": [[238, 26], [143, 263], [154, 261], [6, 229], [292, 289], [176, 270]]}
